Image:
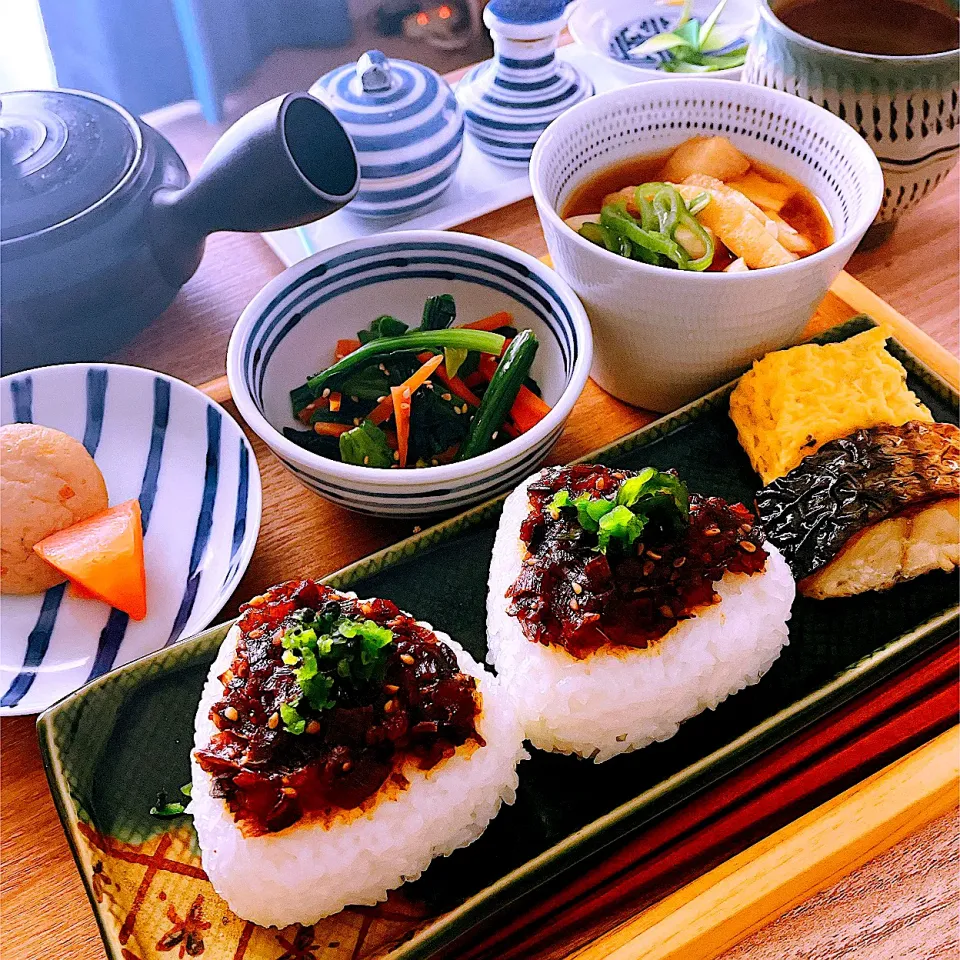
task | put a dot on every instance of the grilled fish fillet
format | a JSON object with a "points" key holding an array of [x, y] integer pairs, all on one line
{"points": [[869, 510], [899, 548]]}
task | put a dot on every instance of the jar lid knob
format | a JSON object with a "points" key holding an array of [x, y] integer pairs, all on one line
{"points": [[373, 71]]}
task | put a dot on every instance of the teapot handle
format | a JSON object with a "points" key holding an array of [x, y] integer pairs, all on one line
{"points": [[285, 163]]}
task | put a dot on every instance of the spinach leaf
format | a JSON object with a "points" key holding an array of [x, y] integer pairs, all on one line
{"points": [[384, 326], [438, 312], [435, 425], [366, 446], [322, 446]]}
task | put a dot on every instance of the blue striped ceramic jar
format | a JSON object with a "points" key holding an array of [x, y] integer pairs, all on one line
{"points": [[906, 108], [511, 99], [407, 128]]}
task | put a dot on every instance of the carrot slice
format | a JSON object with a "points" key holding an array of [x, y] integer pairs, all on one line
{"points": [[454, 384], [331, 429], [103, 555], [345, 348], [413, 383], [487, 366], [336, 399], [304, 415], [528, 410], [501, 319], [82, 593], [401, 409], [448, 455]]}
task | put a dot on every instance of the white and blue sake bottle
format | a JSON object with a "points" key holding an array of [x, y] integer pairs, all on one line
{"points": [[407, 128], [510, 99]]}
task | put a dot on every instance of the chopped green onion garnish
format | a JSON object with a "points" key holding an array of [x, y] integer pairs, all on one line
{"points": [[623, 519]]}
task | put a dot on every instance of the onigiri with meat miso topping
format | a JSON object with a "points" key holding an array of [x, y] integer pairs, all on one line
{"points": [[340, 746], [620, 606]]}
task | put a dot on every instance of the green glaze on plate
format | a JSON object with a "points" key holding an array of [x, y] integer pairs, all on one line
{"points": [[110, 747]]}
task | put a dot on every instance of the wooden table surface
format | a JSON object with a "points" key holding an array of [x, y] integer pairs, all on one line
{"points": [[44, 911]]}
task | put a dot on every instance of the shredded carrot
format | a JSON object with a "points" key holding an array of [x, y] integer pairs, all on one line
{"points": [[413, 383], [454, 384], [336, 399], [447, 455], [493, 322], [345, 348], [475, 379], [331, 429], [401, 410], [382, 411], [487, 366], [528, 409], [304, 415]]}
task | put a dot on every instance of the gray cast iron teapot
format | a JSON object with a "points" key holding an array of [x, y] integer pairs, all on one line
{"points": [[100, 224]]}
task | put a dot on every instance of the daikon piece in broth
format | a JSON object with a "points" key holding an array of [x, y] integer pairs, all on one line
{"points": [[779, 197]]}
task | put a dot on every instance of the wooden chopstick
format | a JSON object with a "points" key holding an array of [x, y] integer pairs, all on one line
{"points": [[707, 917]]}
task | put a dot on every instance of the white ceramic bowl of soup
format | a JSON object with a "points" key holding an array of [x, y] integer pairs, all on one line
{"points": [[663, 337]]}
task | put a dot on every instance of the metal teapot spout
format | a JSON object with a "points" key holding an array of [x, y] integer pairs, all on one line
{"points": [[286, 163]]}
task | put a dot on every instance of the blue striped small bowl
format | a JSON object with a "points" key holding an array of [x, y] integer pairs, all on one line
{"points": [[191, 467], [289, 331]]}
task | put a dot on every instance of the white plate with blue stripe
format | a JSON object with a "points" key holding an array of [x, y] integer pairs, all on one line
{"points": [[191, 467]]}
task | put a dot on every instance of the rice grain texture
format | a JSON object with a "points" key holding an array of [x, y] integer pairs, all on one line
{"points": [[621, 699], [308, 871]]}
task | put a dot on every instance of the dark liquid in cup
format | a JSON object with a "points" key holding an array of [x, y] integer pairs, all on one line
{"points": [[891, 28]]}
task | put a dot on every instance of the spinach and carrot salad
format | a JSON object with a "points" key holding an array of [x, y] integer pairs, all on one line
{"points": [[438, 393]]}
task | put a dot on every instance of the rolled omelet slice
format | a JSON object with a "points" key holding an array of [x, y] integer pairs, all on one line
{"points": [[869, 510], [794, 401]]}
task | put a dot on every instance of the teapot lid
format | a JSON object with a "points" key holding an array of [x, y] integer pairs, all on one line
{"points": [[376, 88], [61, 152]]}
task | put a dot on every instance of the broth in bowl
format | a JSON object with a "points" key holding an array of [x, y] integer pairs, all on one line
{"points": [[888, 28], [702, 206]]}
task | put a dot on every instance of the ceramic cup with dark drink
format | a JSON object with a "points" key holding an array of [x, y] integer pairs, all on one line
{"points": [[889, 68]]}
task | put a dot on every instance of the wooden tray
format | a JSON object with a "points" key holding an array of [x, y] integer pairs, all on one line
{"points": [[125, 840]]}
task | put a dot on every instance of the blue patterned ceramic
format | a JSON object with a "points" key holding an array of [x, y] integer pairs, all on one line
{"points": [[663, 337], [289, 331], [407, 128], [510, 100], [187, 461], [905, 107], [613, 29]]}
